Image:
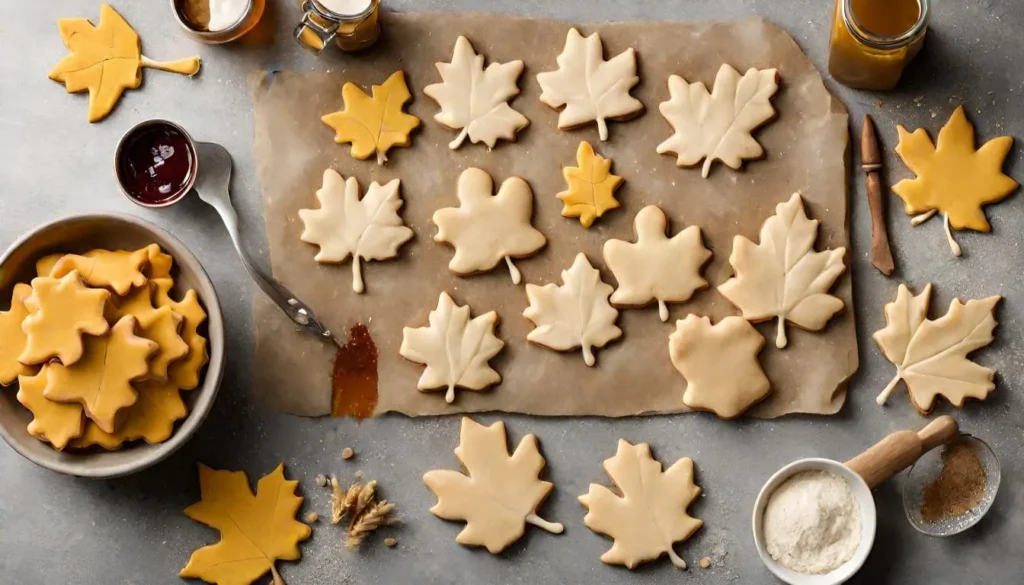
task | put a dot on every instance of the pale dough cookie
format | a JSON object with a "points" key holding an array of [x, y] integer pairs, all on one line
{"points": [[576, 314], [345, 225], [719, 363], [498, 494], [485, 229], [590, 88], [455, 349], [656, 267], [475, 99]]}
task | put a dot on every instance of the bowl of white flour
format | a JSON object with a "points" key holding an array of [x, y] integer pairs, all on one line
{"points": [[814, 522]]}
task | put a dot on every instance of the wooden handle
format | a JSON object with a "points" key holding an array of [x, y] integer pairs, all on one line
{"points": [[901, 449]]}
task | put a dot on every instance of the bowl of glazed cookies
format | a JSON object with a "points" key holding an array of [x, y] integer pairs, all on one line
{"points": [[111, 345]]}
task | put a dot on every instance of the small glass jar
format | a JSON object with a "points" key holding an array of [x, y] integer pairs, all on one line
{"points": [[870, 54], [246, 22], [351, 32]]}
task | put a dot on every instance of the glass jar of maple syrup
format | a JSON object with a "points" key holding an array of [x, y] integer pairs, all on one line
{"points": [[872, 41], [352, 24]]}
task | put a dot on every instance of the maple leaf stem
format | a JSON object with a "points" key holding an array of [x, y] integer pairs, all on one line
{"points": [[706, 169], [662, 310], [552, 527], [919, 219], [277, 576], [887, 392], [780, 336], [189, 66], [381, 157], [517, 277], [458, 140], [357, 275], [588, 354], [676, 559], [953, 246], [449, 396], [602, 128]]}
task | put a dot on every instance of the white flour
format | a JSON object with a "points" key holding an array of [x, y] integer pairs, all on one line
{"points": [[812, 522]]}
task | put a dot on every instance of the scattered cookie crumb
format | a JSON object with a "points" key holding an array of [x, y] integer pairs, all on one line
{"points": [[705, 562], [390, 542], [358, 474], [312, 517], [347, 453], [321, 480]]}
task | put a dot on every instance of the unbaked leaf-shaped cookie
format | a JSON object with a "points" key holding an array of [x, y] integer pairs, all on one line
{"points": [[576, 314], [487, 228], [650, 515], [719, 363], [256, 529], [953, 178], [159, 325], [345, 225], [455, 349], [151, 419], [475, 99], [591, 186], [12, 337], [106, 60], [117, 270], [931, 355], [52, 421], [656, 267], [184, 373], [374, 124], [590, 88], [60, 312], [101, 380], [498, 495], [782, 276], [717, 125]]}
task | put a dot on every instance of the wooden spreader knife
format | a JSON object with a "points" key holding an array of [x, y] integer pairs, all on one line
{"points": [[871, 162]]}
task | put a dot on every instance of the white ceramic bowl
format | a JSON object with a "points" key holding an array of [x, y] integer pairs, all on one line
{"points": [[867, 522]]}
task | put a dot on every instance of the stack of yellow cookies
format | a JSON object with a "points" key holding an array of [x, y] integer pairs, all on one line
{"points": [[100, 350]]}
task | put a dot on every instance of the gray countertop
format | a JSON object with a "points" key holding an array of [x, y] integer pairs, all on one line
{"points": [[57, 529]]}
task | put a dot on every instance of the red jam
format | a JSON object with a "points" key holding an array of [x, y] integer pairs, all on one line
{"points": [[156, 164]]}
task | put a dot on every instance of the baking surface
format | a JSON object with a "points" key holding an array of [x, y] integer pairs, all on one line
{"points": [[56, 529], [805, 148]]}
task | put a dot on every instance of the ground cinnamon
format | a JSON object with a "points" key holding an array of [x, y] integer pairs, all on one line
{"points": [[960, 486]]}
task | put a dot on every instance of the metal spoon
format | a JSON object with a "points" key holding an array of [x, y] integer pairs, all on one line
{"points": [[213, 186]]}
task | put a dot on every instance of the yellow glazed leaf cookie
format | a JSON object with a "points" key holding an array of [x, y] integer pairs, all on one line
{"points": [[953, 178], [12, 337], [184, 373], [498, 495], [118, 270], [717, 125], [160, 263], [475, 99], [455, 349], [44, 266], [374, 124], [590, 88], [345, 225], [106, 60], [931, 355], [256, 530], [650, 515], [101, 380], [656, 267], [487, 228], [719, 363], [576, 314], [591, 186], [60, 312], [782, 277], [160, 325], [51, 421], [151, 419]]}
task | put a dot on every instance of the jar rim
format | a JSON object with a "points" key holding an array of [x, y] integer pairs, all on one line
{"points": [[328, 14], [870, 39]]}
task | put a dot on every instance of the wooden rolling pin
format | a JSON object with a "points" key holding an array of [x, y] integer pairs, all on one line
{"points": [[901, 449]]}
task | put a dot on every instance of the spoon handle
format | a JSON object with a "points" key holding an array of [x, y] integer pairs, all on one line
{"points": [[901, 449], [296, 310]]}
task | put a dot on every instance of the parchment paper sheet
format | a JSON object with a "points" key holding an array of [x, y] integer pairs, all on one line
{"points": [[806, 151]]}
